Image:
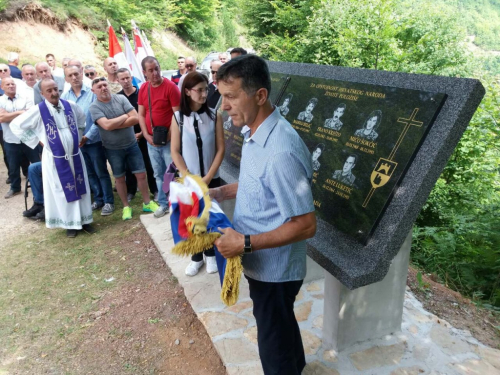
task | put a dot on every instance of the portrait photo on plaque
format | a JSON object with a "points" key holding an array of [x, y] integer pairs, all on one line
{"points": [[335, 121], [354, 131], [307, 115], [345, 175], [369, 129], [315, 155], [284, 107]]}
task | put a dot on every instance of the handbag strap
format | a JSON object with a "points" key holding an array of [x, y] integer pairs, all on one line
{"points": [[180, 124], [199, 144], [150, 107]]}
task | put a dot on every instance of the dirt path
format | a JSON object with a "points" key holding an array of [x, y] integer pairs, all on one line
{"points": [[12, 223], [61, 312]]}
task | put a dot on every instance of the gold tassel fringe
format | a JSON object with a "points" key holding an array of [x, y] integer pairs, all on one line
{"points": [[231, 284], [195, 244]]}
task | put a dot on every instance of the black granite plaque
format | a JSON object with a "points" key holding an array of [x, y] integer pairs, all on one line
{"points": [[422, 120], [361, 137]]}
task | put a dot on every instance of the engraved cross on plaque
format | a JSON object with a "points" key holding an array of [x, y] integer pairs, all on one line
{"points": [[408, 122], [379, 179]]}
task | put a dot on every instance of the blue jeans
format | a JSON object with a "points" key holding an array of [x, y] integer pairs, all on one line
{"points": [[97, 172], [160, 160], [35, 177], [15, 154], [124, 158]]}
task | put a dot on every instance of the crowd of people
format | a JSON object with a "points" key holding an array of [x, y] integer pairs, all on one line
{"points": [[118, 128], [63, 125]]}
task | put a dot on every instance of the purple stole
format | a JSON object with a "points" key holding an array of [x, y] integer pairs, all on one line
{"points": [[73, 184]]}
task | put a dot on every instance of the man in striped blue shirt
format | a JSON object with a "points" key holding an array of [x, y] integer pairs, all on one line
{"points": [[91, 145], [274, 212]]}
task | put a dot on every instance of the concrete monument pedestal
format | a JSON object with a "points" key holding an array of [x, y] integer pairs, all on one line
{"points": [[369, 312]]}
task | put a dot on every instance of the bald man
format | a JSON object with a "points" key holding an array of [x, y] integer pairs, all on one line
{"points": [[12, 105], [43, 71], [111, 68], [59, 124]]}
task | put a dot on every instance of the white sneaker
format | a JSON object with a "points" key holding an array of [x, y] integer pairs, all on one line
{"points": [[211, 264], [161, 211], [193, 268]]}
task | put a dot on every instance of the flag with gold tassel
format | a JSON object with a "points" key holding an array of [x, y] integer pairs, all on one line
{"points": [[195, 220]]}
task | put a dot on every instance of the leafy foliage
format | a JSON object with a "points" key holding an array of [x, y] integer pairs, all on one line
{"points": [[458, 231], [482, 19], [202, 23], [457, 235]]}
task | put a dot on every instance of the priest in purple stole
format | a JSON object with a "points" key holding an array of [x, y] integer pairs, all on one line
{"points": [[59, 124]]}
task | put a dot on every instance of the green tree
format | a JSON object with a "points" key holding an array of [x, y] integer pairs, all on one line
{"points": [[457, 235]]}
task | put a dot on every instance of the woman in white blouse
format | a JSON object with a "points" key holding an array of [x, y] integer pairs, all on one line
{"points": [[201, 149]]}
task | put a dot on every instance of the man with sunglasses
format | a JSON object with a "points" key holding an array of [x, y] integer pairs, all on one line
{"points": [[43, 72], [213, 93], [190, 67], [5, 73], [181, 64], [90, 72]]}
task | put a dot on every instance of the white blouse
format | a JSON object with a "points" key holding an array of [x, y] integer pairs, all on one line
{"points": [[206, 127]]}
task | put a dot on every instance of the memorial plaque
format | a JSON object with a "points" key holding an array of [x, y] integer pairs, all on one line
{"points": [[376, 158], [361, 137]]}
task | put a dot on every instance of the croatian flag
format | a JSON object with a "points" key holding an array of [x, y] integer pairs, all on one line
{"points": [[115, 50], [140, 51], [187, 200], [147, 45], [135, 68]]}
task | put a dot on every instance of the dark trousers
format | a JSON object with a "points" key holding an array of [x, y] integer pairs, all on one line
{"points": [[278, 335], [24, 161], [130, 178], [210, 252], [15, 154]]}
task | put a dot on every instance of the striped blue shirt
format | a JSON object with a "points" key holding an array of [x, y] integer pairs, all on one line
{"points": [[274, 186], [84, 101]]}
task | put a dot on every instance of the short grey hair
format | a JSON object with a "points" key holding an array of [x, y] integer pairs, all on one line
{"points": [[12, 56]]}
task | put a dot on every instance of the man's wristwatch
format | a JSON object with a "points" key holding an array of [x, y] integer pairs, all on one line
{"points": [[247, 249]]}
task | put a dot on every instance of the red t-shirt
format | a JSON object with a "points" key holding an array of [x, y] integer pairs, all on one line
{"points": [[163, 98]]}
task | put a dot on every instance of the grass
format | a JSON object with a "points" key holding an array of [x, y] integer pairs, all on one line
{"points": [[49, 282]]}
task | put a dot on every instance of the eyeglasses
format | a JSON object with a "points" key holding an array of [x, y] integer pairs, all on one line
{"points": [[200, 91], [214, 71], [90, 74], [189, 65], [4, 70], [97, 80]]}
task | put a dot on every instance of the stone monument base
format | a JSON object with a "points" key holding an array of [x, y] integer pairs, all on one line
{"points": [[368, 312]]}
